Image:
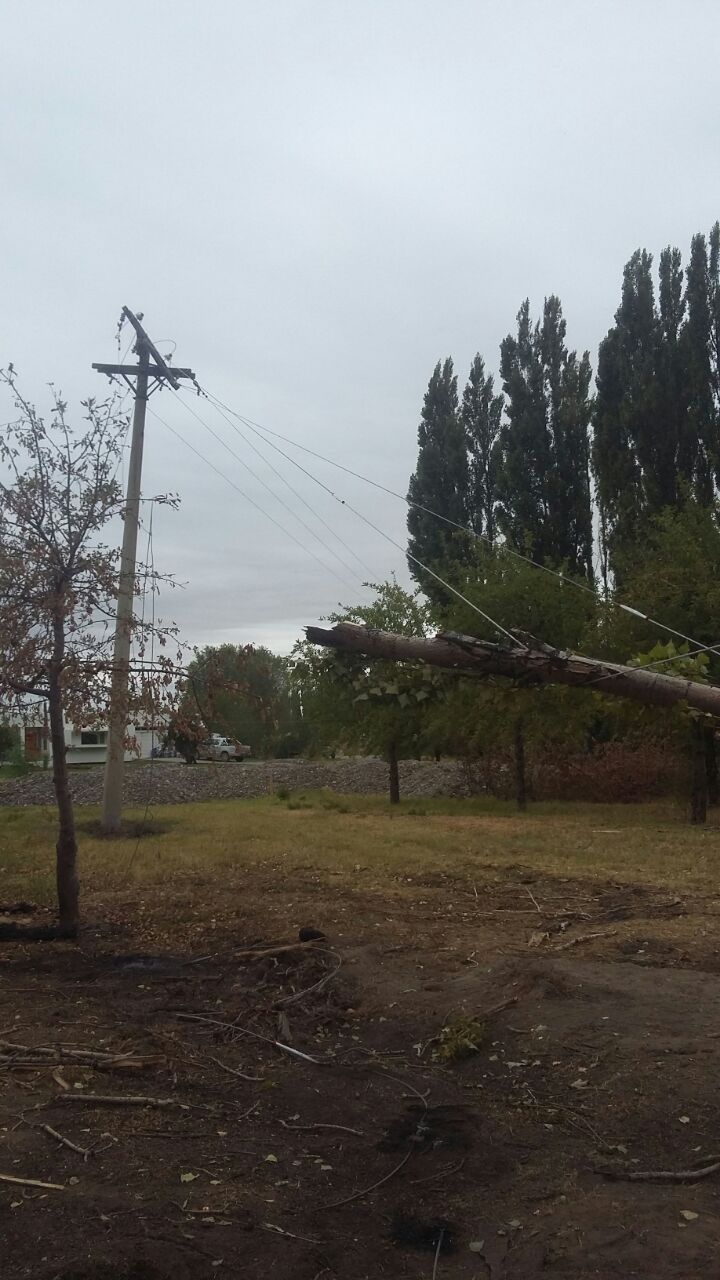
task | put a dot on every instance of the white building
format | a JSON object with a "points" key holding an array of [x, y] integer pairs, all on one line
{"points": [[89, 746], [84, 746]]}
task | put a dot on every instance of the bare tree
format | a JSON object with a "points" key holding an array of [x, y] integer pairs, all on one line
{"points": [[58, 590]]}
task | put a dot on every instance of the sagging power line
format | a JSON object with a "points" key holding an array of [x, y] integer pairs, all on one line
{"points": [[631, 610]]}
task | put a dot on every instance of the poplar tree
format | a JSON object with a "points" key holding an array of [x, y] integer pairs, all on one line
{"points": [[439, 483], [481, 416], [543, 476], [702, 353], [657, 410]]}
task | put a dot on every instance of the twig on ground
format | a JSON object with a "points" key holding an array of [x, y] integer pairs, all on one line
{"points": [[167, 1133], [255, 1035], [358, 1195], [120, 1100], [585, 937], [270, 1226], [252, 954], [65, 1142], [533, 899], [233, 1071], [31, 1182], [444, 1173], [316, 986], [585, 1124], [441, 1237], [662, 1175], [310, 1128], [48, 1057]]}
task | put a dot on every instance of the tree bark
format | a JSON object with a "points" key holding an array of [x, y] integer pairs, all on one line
{"points": [[531, 663], [520, 778], [711, 766], [394, 774], [68, 890], [699, 786]]}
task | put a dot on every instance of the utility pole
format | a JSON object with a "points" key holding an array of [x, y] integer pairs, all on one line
{"points": [[151, 372]]}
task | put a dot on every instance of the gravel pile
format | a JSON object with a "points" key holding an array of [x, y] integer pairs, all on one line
{"points": [[172, 782]]}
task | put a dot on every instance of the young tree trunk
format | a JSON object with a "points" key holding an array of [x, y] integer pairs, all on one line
{"points": [[711, 766], [66, 847], [699, 786], [394, 774], [520, 778]]}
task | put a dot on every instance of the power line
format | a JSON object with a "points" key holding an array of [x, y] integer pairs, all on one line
{"points": [[561, 577], [293, 490], [426, 568], [271, 491], [245, 496], [274, 495]]}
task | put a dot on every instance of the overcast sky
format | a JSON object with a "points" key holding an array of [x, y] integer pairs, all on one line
{"points": [[315, 200]]}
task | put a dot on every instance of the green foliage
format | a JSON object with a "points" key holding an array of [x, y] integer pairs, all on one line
{"points": [[522, 598], [244, 693], [459, 1038], [481, 416], [376, 708], [673, 571], [657, 410], [8, 740], [543, 479], [669, 727], [478, 719], [439, 482], [676, 660], [15, 762]]}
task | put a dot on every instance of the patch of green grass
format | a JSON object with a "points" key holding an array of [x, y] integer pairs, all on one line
{"points": [[458, 1039], [647, 843]]}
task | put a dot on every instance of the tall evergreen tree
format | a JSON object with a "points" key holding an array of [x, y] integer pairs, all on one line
{"points": [[481, 416], [657, 410], [439, 482], [543, 479], [701, 344]]}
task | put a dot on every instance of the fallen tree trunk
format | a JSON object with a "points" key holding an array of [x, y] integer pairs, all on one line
{"points": [[531, 663]]}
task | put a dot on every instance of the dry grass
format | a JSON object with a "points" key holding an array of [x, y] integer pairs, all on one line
{"points": [[339, 836]]}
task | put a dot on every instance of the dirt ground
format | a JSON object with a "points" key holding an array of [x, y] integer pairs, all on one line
{"points": [[383, 1155]]}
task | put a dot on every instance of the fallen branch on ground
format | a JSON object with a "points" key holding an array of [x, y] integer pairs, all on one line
{"points": [[39, 1056], [357, 1195], [119, 1100], [270, 1226], [310, 1128], [316, 986], [233, 1071], [662, 1175], [31, 1182], [255, 1035], [585, 937], [252, 953], [65, 1142]]}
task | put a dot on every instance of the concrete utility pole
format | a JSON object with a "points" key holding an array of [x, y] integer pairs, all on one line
{"points": [[142, 373]]}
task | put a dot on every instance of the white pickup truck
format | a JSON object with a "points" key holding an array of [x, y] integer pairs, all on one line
{"points": [[218, 748]]}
